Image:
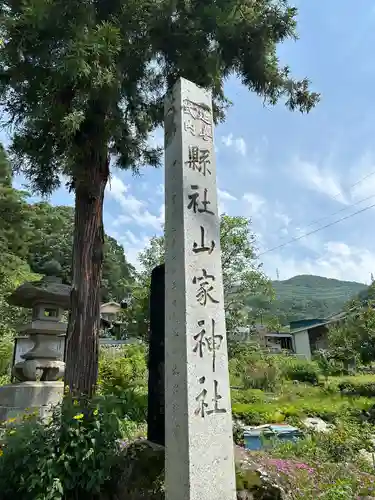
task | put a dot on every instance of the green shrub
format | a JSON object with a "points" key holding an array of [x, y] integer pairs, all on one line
{"points": [[342, 443], [238, 436], [331, 387], [247, 396], [252, 369], [358, 387], [123, 375], [301, 370], [6, 351], [328, 366], [329, 408], [340, 491], [303, 478], [262, 374], [4, 380], [66, 458]]}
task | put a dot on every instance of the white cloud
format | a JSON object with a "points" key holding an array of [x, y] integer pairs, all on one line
{"points": [[116, 186], [145, 218], [338, 248], [133, 208], [336, 260], [322, 180], [281, 215], [121, 219], [132, 238], [133, 245], [238, 143], [255, 201], [224, 195], [362, 176]]}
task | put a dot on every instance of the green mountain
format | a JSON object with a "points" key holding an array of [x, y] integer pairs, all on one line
{"points": [[308, 296]]}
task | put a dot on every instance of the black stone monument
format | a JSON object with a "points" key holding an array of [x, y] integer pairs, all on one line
{"points": [[155, 413]]}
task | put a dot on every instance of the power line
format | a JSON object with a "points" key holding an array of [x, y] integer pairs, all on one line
{"points": [[339, 211], [316, 230], [336, 196]]}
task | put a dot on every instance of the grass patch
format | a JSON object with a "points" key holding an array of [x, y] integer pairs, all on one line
{"points": [[295, 402]]}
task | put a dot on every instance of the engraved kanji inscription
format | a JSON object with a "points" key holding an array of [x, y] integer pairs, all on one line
{"points": [[194, 201], [216, 400], [205, 288], [202, 246], [201, 400], [199, 160], [201, 409], [207, 340], [205, 132], [198, 111], [189, 126]]}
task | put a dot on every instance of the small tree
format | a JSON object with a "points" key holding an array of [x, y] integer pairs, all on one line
{"points": [[354, 338], [83, 81]]}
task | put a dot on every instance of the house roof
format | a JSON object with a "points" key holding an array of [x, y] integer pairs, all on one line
{"points": [[331, 319], [112, 303], [110, 308]]}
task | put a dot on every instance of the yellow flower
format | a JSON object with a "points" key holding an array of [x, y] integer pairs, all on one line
{"points": [[11, 420], [95, 412], [75, 402], [1, 452], [79, 416]]}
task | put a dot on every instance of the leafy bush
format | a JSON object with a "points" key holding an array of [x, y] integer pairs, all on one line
{"points": [[304, 479], [4, 380], [123, 375], [301, 370], [293, 410], [247, 396], [6, 350], [254, 370], [261, 374], [358, 386], [66, 458], [238, 436], [328, 365], [343, 442]]}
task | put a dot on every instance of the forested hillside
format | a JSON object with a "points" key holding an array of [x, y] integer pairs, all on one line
{"points": [[32, 235], [308, 296]]}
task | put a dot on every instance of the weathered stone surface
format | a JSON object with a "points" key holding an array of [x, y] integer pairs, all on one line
{"points": [[141, 476], [49, 290], [15, 398], [198, 433]]}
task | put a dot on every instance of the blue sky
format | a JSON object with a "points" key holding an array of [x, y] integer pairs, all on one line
{"points": [[286, 170]]}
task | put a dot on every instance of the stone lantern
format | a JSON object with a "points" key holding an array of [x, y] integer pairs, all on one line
{"points": [[48, 298], [41, 370]]}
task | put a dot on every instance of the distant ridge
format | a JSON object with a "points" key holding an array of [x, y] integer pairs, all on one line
{"points": [[308, 296]]}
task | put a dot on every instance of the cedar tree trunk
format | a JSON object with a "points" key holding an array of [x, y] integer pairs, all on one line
{"points": [[82, 338]]}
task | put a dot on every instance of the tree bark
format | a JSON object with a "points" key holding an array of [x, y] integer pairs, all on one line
{"points": [[82, 338]]}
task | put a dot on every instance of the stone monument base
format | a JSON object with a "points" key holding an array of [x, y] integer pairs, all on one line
{"points": [[33, 396]]}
